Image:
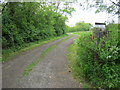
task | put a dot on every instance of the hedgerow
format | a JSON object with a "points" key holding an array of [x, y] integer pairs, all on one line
{"points": [[24, 22], [100, 64]]}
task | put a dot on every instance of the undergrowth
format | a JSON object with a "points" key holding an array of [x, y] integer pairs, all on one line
{"points": [[97, 64], [76, 70], [100, 64]]}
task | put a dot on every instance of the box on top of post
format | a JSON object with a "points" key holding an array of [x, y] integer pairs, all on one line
{"points": [[102, 26]]}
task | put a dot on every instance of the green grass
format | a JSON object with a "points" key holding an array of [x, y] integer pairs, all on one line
{"points": [[81, 33], [8, 54], [0, 59], [35, 62], [72, 59]]}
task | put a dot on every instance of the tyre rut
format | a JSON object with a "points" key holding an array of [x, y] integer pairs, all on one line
{"points": [[52, 71], [11, 71]]}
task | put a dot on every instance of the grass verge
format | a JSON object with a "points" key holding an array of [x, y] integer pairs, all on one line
{"points": [[8, 54], [35, 62], [81, 33], [91, 63], [72, 59]]}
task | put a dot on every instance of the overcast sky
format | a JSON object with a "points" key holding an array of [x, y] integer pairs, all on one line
{"points": [[88, 16]]}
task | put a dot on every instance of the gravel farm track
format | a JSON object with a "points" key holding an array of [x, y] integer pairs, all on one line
{"points": [[51, 72]]}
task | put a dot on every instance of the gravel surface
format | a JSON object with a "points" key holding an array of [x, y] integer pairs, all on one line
{"points": [[51, 72]]}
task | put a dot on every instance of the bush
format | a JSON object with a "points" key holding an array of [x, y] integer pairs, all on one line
{"points": [[29, 22], [100, 64]]}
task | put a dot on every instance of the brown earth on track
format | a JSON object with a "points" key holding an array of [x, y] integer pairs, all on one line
{"points": [[51, 72]]}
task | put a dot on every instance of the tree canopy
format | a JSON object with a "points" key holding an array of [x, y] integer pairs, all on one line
{"points": [[25, 22]]}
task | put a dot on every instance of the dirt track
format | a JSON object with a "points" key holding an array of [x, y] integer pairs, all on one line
{"points": [[51, 72]]}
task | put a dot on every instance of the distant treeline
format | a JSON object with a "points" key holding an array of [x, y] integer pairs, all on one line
{"points": [[80, 26], [25, 22]]}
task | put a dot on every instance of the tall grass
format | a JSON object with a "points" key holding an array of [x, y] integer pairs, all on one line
{"points": [[73, 63]]}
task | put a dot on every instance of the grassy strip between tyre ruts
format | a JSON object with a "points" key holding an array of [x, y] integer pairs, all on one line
{"points": [[72, 59], [8, 54], [29, 67], [35, 62]]}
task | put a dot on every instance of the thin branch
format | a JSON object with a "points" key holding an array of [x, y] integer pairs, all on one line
{"points": [[117, 4], [4, 7], [58, 4]]}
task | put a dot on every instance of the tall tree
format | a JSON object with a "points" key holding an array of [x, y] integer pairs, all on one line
{"points": [[25, 22]]}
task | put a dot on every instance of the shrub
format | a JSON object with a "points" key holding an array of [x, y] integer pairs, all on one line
{"points": [[29, 22], [100, 63]]}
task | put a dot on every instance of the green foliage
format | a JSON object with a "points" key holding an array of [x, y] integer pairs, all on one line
{"points": [[25, 22], [80, 26], [72, 59], [100, 64]]}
